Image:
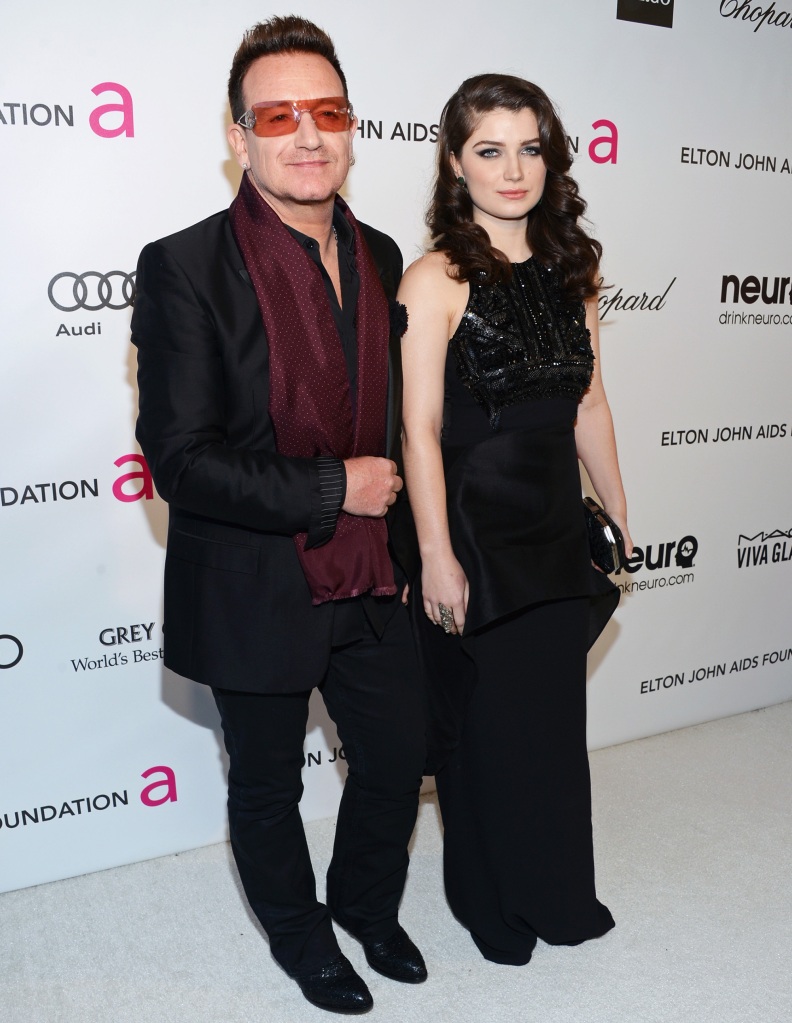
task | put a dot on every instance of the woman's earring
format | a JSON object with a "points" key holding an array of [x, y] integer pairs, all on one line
{"points": [[461, 181]]}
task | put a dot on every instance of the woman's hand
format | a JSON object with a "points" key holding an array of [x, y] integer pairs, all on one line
{"points": [[444, 583], [621, 522]]}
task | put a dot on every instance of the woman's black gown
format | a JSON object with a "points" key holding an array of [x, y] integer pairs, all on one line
{"points": [[507, 703]]}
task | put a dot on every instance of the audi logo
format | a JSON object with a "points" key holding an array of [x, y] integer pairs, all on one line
{"points": [[15, 653], [92, 291]]}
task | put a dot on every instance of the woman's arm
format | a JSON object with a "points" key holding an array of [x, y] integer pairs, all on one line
{"points": [[595, 439], [434, 304]]}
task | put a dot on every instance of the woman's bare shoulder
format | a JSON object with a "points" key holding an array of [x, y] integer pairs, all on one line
{"points": [[431, 271], [433, 265]]}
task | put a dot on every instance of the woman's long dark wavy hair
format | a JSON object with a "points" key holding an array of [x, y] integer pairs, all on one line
{"points": [[553, 232]]}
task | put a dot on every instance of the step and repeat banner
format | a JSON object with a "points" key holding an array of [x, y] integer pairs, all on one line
{"points": [[112, 121]]}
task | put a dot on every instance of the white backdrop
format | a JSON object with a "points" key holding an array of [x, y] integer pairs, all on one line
{"points": [[684, 152]]}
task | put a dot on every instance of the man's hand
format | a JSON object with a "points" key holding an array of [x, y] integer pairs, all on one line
{"points": [[372, 486]]}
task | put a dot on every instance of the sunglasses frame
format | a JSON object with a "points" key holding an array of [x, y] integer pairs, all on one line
{"points": [[299, 107]]}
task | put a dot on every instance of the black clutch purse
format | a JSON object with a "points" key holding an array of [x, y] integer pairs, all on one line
{"points": [[605, 538]]}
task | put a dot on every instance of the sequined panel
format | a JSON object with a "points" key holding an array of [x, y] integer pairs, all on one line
{"points": [[522, 341]]}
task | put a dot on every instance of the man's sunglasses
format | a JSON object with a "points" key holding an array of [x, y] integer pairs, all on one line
{"points": [[281, 116]]}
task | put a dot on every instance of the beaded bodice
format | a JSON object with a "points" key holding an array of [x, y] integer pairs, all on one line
{"points": [[522, 340]]}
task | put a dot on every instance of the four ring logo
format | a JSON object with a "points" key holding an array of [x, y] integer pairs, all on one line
{"points": [[10, 651], [92, 290]]}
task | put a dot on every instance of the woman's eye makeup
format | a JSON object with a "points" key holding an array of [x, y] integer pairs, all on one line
{"points": [[488, 152]]}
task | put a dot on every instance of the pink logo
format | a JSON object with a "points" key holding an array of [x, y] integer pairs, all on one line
{"points": [[144, 475], [604, 148], [168, 783], [127, 125]]}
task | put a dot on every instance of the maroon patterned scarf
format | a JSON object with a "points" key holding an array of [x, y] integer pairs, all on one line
{"points": [[310, 404]]}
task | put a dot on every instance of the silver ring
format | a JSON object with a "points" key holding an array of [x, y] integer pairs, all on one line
{"points": [[446, 617]]}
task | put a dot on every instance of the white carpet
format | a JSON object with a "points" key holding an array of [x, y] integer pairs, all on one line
{"points": [[694, 853]]}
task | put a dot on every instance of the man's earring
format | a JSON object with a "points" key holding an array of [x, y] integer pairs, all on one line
{"points": [[352, 160]]}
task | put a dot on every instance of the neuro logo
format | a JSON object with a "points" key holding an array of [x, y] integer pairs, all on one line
{"points": [[655, 556], [679, 553], [648, 12], [686, 552], [91, 290], [11, 651], [771, 290]]}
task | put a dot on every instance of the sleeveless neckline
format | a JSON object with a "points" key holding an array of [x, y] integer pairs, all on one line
{"points": [[521, 340]]}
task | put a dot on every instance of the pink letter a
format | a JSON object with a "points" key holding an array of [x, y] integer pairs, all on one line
{"points": [[169, 781], [612, 141], [146, 490], [127, 125]]}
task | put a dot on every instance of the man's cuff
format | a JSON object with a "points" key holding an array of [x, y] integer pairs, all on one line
{"points": [[331, 483]]}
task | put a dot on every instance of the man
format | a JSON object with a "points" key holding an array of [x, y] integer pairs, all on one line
{"points": [[270, 390]]}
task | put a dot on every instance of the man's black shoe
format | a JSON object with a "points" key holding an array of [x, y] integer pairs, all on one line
{"points": [[397, 958], [337, 988]]}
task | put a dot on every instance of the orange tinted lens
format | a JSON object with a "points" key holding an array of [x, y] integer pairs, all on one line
{"points": [[328, 116], [274, 119]]}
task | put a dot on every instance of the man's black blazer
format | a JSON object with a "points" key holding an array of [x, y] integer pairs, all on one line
{"points": [[238, 611]]}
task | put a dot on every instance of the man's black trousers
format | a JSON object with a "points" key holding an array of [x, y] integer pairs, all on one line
{"points": [[372, 692]]}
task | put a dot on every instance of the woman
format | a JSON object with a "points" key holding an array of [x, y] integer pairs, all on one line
{"points": [[502, 395]]}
